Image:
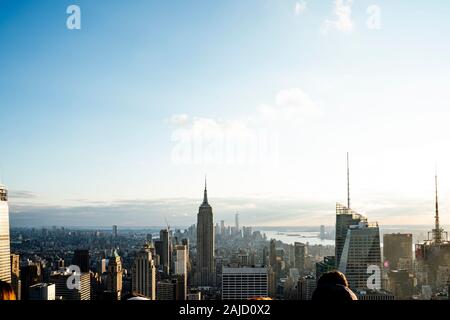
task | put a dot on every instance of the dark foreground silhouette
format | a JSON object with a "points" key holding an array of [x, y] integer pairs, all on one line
{"points": [[333, 286]]}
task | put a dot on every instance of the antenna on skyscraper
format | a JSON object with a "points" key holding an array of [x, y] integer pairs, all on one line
{"points": [[167, 224], [348, 181], [437, 227], [205, 194]]}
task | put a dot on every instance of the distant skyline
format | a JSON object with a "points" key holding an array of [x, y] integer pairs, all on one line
{"points": [[95, 123]]}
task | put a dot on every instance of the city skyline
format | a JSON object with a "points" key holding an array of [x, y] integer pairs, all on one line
{"points": [[102, 112], [113, 210]]}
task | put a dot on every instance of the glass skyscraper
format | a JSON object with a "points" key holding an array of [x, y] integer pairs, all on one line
{"points": [[5, 259], [361, 250]]}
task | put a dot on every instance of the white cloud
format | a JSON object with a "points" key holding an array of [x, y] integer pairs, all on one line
{"points": [[291, 106], [251, 139], [179, 119], [300, 8], [343, 17]]}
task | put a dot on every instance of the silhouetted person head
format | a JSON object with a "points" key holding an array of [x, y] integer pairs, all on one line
{"points": [[6, 291], [333, 286]]}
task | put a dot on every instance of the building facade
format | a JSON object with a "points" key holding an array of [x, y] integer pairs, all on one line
{"points": [[345, 217], [206, 275], [361, 250], [62, 290], [299, 257], [144, 275], [5, 267], [42, 291], [164, 237], [244, 283], [398, 251], [114, 278], [15, 275]]}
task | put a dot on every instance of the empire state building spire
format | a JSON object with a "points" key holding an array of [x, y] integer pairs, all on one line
{"points": [[205, 195]]}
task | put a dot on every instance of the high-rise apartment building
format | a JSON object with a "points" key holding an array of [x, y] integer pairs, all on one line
{"points": [[299, 257], [5, 259], [244, 283], [206, 275], [398, 251], [144, 275], [114, 278]]}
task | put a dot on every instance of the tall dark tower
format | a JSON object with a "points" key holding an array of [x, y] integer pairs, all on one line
{"points": [[205, 244], [345, 217], [164, 237], [437, 231]]}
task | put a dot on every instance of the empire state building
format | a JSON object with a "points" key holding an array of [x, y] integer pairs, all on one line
{"points": [[205, 244]]}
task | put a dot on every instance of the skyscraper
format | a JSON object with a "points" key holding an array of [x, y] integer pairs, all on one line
{"points": [[322, 232], [397, 251], [222, 227], [299, 257], [345, 217], [164, 237], [114, 279], [434, 253], [29, 275], [357, 243], [144, 274], [205, 244], [237, 222], [81, 259], [114, 231], [5, 267], [181, 259], [273, 254], [361, 250]]}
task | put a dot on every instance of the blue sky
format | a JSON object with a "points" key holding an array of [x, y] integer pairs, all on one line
{"points": [[90, 118]]}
